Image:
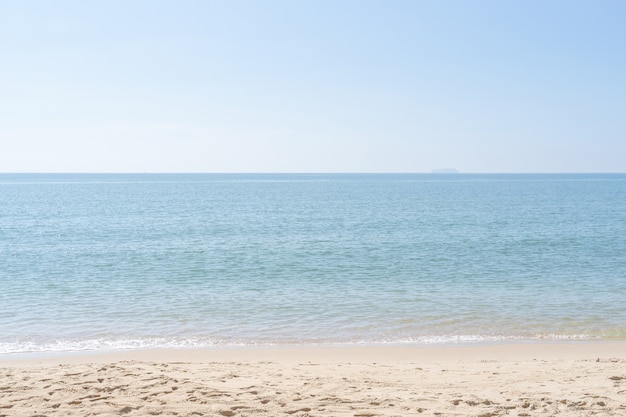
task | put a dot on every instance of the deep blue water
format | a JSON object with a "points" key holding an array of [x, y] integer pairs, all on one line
{"points": [[121, 261]]}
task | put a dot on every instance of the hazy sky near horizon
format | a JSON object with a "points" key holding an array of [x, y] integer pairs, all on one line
{"points": [[312, 86]]}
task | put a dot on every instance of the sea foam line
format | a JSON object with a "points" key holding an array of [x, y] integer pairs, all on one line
{"points": [[104, 344]]}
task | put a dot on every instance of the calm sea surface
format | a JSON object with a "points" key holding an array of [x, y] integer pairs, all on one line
{"points": [[98, 262]]}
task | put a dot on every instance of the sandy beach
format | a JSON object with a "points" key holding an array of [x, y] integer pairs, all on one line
{"points": [[570, 379]]}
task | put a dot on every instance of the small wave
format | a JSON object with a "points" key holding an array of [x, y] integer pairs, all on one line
{"points": [[104, 344]]}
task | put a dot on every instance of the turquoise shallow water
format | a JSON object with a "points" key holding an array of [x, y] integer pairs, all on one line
{"points": [[124, 261]]}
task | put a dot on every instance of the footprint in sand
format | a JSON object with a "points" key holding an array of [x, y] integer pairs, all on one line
{"points": [[305, 409]]}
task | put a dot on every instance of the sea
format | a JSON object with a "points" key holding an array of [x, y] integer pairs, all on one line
{"points": [[101, 262]]}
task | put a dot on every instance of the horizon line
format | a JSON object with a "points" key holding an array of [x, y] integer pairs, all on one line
{"points": [[434, 172]]}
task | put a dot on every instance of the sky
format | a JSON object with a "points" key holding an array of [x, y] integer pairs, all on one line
{"points": [[312, 86]]}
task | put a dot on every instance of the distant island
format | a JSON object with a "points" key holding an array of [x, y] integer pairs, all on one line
{"points": [[444, 171]]}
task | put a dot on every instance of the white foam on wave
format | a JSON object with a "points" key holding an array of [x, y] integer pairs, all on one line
{"points": [[104, 344]]}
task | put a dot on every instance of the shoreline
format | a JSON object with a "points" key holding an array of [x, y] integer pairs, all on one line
{"points": [[501, 350], [517, 379]]}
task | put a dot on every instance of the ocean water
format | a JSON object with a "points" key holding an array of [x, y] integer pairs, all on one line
{"points": [[100, 262]]}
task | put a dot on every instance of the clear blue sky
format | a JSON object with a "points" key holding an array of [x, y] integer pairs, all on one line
{"points": [[312, 86]]}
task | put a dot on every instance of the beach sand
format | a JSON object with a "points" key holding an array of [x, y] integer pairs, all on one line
{"points": [[535, 379]]}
